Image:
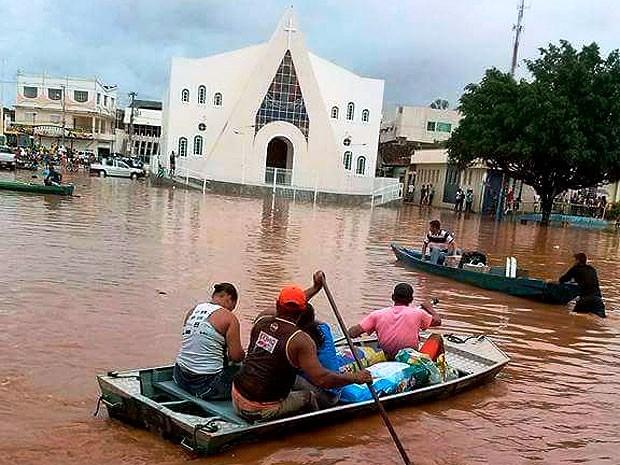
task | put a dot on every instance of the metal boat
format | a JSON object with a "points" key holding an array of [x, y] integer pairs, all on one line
{"points": [[62, 189], [494, 280], [149, 398]]}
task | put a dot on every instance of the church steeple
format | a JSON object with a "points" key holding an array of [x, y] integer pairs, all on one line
{"points": [[287, 27]]}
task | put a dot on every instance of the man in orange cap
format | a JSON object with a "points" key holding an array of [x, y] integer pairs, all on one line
{"points": [[278, 350]]}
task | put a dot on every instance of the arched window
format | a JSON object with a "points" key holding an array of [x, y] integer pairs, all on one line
{"points": [[361, 165], [217, 99], [182, 146], [335, 112], [202, 94], [347, 160], [365, 115], [350, 111], [198, 145], [185, 95]]}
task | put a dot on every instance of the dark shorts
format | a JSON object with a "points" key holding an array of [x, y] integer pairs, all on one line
{"points": [[590, 304], [215, 387]]}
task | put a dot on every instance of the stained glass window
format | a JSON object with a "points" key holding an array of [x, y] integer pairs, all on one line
{"points": [[284, 100]]}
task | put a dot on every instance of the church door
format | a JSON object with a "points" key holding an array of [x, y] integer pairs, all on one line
{"points": [[279, 163]]}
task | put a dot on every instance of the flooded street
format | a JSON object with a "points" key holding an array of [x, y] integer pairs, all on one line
{"points": [[102, 281]]}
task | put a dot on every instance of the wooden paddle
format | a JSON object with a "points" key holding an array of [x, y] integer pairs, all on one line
{"points": [[375, 396]]}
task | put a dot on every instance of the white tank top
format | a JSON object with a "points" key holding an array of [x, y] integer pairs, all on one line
{"points": [[202, 347]]}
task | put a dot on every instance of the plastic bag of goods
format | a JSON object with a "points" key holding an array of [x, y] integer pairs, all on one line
{"points": [[427, 371], [388, 378], [367, 355]]}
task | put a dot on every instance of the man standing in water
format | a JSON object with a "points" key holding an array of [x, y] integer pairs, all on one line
{"points": [[590, 299], [173, 163]]}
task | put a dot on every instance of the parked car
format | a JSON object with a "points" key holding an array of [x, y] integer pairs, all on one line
{"points": [[118, 168], [7, 157]]}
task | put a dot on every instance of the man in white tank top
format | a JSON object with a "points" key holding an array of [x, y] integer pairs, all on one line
{"points": [[210, 339]]}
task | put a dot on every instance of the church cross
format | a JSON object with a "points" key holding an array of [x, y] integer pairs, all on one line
{"points": [[290, 28]]}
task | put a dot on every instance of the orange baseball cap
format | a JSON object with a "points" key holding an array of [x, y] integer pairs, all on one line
{"points": [[292, 298]]}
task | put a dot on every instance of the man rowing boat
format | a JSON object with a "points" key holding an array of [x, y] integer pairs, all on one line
{"points": [[590, 299], [264, 387]]}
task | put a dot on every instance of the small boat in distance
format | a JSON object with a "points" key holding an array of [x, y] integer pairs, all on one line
{"points": [[150, 399], [493, 280], [62, 189]]}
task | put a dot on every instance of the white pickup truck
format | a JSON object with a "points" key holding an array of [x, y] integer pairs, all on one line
{"points": [[7, 157], [118, 168]]}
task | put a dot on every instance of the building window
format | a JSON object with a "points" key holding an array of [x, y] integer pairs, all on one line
{"points": [[350, 111], [185, 95], [347, 160], [55, 119], [30, 92], [105, 100], [217, 99], [113, 102], [361, 165], [182, 146], [430, 126], [202, 94], [80, 96], [443, 127], [365, 116], [335, 112], [54, 94], [98, 98], [31, 117], [198, 145], [346, 142], [202, 127]]}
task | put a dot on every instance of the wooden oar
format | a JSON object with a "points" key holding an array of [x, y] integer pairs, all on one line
{"points": [[375, 396]]}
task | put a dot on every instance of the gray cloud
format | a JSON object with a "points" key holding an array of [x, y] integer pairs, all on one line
{"points": [[423, 49]]}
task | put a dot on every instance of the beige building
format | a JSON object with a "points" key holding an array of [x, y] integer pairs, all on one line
{"points": [[423, 126], [82, 109]]}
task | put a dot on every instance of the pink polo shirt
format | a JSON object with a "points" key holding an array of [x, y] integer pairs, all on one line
{"points": [[397, 327]]}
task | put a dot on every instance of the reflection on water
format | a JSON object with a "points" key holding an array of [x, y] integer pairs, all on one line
{"points": [[102, 280]]}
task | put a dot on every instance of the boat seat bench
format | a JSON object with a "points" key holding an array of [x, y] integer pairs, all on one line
{"points": [[221, 408]]}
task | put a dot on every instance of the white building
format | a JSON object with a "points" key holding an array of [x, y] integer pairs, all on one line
{"points": [[424, 126], [145, 129], [238, 117], [85, 108]]}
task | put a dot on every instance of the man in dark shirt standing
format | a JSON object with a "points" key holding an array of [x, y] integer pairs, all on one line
{"points": [[590, 299]]}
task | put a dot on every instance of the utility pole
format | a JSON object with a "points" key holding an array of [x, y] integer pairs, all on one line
{"points": [[132, 96], [513, 67], [517, 28], [2, 98], [64, 114]]}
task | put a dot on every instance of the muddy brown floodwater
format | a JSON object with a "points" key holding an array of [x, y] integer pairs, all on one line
{"points": [[102, 280]]}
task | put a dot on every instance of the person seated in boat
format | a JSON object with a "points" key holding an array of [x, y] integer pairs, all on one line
{"points": [[590, 298], [264, 387], [439, 242], [210, 340], [52, 177], [398, 327], [321, 333]]}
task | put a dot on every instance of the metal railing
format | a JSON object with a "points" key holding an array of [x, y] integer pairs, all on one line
{"points": [[387, 194], [278, 177]]}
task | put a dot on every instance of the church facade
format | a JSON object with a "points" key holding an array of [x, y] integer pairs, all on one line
{"points": [[274, 113]]}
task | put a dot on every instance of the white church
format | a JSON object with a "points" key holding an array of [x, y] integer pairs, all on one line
{"points": [[274, 113]]}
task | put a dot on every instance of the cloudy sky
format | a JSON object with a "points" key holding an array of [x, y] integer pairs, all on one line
{"points": [[424, 49]]}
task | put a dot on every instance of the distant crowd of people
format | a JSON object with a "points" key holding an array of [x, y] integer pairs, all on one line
{"points": [[33, 158]]}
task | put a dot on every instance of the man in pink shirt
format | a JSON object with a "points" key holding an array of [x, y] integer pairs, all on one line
{"points": [[399, 326]]}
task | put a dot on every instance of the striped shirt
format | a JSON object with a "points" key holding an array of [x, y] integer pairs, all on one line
{"points": [[441, 240]]}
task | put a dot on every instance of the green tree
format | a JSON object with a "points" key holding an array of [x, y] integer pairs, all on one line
{"points": [[557, 130]]}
